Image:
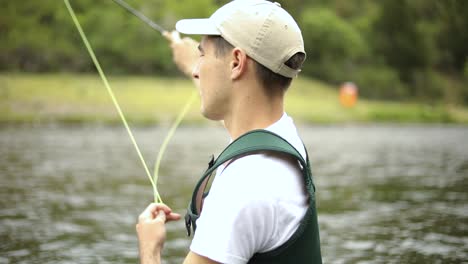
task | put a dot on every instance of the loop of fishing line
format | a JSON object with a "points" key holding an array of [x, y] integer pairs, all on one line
{"points": [[154, 179]]}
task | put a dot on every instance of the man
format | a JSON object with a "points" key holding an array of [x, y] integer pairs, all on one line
{"points": [[258, 207]]}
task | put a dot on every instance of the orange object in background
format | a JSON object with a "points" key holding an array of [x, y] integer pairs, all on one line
{"points": [[348, 94]]}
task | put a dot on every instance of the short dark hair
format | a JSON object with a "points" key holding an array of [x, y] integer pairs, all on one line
{"points": [[269, 79]]}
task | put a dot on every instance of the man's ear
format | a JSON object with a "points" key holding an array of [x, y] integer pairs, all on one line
{"points": [[238, 63]]}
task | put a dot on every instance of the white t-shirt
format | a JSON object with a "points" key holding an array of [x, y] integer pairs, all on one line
{"points": [[255, 204]]}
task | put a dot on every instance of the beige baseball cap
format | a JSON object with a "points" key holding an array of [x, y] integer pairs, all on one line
{"points": [[264, 30]]}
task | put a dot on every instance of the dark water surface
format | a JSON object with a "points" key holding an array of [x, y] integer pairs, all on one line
{"points": [[386, 194]]}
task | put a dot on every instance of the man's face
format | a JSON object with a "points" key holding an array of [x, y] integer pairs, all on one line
{"points": [[213, 73]]}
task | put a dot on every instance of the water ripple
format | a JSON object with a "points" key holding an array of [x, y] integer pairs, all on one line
{"points": [[386, 194]]}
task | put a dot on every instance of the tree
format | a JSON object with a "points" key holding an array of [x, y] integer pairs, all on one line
{"points": [[398, 39], [332, 45], [453, 37]]}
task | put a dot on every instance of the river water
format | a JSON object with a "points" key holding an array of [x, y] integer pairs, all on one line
{"points": [[386, 193]]}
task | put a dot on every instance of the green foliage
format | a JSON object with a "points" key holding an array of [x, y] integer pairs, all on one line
{"points": [[453, 36], [189, 8], [399, 40], [427, 85], [40, 36], [379, 82], [332, 45], [464, 88], [465, 72], [393, 49]]}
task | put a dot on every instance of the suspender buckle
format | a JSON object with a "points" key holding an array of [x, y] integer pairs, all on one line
{"points": [[211, 162]]}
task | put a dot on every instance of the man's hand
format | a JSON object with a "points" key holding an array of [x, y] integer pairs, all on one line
{"points": [[151, 231], [185, 52]]}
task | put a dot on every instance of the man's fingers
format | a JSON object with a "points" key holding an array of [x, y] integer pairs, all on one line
{"points": [[147, 214], [167, 35], [173, 217], [173, 36], [152, 210], [161, 216]]}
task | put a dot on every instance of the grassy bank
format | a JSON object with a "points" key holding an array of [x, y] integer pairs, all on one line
{"points": [[76, 98]]}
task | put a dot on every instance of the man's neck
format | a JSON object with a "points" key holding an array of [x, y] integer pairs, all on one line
{"points": [[252, 109]]}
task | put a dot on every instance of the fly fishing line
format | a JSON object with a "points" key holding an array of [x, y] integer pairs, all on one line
{"points": [[153, 180], [170, 134], [185, 109]]}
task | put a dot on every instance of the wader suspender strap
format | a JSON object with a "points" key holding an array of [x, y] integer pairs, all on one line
{"points": [[249, 143]]}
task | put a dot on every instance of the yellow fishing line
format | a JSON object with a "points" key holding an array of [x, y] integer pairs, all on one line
{"points": [[157, 197], [171, 133]]}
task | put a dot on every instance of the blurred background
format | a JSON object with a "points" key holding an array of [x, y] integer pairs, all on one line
{"points": [[410, 52], [382, 105]]}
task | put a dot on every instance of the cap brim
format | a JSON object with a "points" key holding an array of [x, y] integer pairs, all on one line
{"points": [[202, 26]]}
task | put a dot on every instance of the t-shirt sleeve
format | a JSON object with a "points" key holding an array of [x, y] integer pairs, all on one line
{"points": [[236, 221]]}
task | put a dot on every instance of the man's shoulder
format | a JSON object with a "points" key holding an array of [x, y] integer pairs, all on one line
{"points": [[259, 161], [262, 168]]}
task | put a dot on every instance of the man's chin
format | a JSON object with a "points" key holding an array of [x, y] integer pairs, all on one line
{"points": [[211, 116]]}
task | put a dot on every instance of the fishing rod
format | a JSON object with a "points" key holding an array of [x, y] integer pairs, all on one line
{"points": [[142, 17]]}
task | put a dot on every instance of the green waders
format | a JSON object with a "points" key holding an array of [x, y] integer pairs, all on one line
{"points": [[304, 245]]}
